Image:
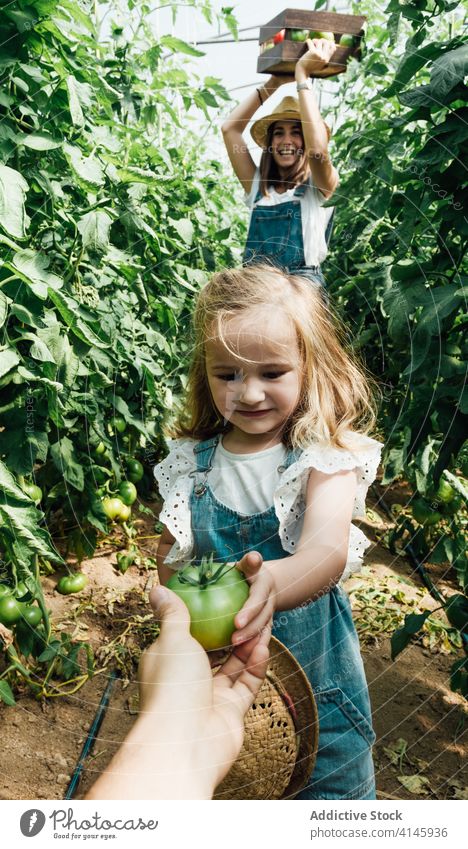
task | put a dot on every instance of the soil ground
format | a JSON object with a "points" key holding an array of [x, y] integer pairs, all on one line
{"points": [[421, 725]]}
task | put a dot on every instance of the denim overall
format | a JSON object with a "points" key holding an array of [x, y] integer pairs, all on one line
{"points": [[320, 634], [275, 235]]}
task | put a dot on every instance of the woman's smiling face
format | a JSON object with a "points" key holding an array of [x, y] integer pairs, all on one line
{"points": [[257, 387], [287, 143]]}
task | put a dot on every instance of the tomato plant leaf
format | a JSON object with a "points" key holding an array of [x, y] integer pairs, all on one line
{"points": [[13, 188], [6, 694]]}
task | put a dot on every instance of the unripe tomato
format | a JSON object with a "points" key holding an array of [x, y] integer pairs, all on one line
{"points": [[125, 513], [346, 40], [34, 492], [72, 583], [424, 514], [213, 596], [445, 492], [134, 470], [10, 610], [127, 492], [100, 448], [299, 34], [112, 508], [119, 424], [328, 36], [32, 615]]}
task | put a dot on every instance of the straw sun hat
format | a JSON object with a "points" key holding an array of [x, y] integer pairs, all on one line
{"points": [[286, 110], [281, 735]]}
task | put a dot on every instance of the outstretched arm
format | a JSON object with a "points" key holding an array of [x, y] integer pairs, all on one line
{"points": [[318, 563], [313, 126], [190, 727], [234, 126]]}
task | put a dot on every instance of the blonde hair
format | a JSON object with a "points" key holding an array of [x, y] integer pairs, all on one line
{"points": [[269, 173], [335, 398]]}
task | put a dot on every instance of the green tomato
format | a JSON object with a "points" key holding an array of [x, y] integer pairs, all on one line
{"points": [[445, 492], [72, 583], [100, 448], [212, 606], [299, 34], [34, 492], [10, 610], [319, 34], [424, 514], [32, 615], [119, 424], [134, 470], [346, 40], [112, 508], [127, 492], [125, 513]]}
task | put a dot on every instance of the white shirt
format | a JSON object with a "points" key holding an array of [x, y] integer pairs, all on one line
{"points": [[314, 217], [174, 475], [246, 482]]}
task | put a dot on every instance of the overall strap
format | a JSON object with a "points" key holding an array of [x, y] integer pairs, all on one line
{"points": [[291, 457], [204, 453], [300, 191]]}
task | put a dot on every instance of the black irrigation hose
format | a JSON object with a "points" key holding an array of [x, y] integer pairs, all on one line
{"points": [[412, 556], [91, 736]]}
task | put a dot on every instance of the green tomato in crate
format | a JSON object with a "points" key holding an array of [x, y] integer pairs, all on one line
{"points": [[328, 36], [346, 40], [299, 34], [214, 593]]}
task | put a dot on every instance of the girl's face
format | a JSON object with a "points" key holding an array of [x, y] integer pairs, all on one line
{"points": [[287, 143], [258, 388]]}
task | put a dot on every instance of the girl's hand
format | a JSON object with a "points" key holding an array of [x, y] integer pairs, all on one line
{"points": [[253, 622], [319, 53]]}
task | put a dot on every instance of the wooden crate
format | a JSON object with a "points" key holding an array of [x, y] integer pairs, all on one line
{"points": [[281, 58]]}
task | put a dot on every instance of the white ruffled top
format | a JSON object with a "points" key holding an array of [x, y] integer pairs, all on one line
{"points": [[175, 487]]}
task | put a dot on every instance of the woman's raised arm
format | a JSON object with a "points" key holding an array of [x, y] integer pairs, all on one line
{"points": [[235, 124]]}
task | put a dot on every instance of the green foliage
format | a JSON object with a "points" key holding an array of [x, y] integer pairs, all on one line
{"points": [[111, 216], [397, 270]]}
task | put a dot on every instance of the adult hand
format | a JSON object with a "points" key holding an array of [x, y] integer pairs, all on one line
{"points": [[176, 681], [190, 727], [319, 53]]}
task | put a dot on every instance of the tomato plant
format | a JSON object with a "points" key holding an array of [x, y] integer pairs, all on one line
{"points": [[214, 593]]}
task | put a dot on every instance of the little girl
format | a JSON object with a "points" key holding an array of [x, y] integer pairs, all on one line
{"points": [[269, 466]]}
